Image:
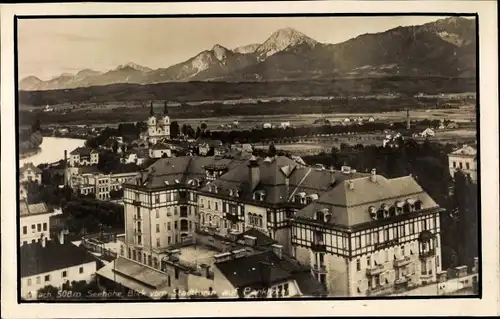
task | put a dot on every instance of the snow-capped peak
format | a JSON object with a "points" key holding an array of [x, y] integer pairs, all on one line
{"points": [[220, 52], [283, 39]]}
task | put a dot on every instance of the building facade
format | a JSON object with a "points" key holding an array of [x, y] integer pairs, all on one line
{"points": [[464, 160], [83, 156], [29, 173], [34, 222], [370, 236], [158, 127], [359, 233], [98, 184]]}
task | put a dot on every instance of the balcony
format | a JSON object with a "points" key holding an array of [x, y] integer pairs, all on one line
{"points": [[374, 270], [318, 246], [427, 254], [402, 262], [136, 202], [319, 268]]}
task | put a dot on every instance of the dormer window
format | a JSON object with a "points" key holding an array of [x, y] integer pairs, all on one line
{"points": [[373, 212], [385, 210], [236, 193], [231, 192], [259, 195], [399, 207], [409, 205], [320, 216], [418, 205]]}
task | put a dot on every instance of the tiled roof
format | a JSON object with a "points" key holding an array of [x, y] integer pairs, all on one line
{"points": [[82, 151], [263, 269], [349, 201], [32, 209], [27, 166], [36, 259]]}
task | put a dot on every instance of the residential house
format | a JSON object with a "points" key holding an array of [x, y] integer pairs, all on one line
{"points": [[53, 262], [30, 173], [83, 156], [464, 160], [159, 150], [33, 222]]}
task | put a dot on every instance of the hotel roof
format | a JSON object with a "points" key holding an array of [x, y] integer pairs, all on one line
{"points": [[349, 201]]}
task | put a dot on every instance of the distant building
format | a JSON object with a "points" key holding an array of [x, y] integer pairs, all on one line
{"points": [[92, 182], [267, 125], [160, 150], [285, 124], [30, 173], [452, 125], [53, 262], [428, 132], [371, 119], [82, 156], [464, 159]]}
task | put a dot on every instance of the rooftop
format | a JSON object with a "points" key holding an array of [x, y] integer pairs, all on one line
{"points": [[85, 151], [36, 259], [30, 166], [26, 209]]}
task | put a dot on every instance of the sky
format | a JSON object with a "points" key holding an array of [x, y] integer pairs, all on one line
{"points": [[50, 47]]}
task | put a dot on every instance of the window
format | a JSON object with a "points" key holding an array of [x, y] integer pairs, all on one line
{"points": [[39, 227], [64, 274], [157, 213], [44, 226], [129, 254], [29, 281], [285, 290], [168, 280], [216, 206], [376, 237], [168, 226], [139, 240], [169, 240], [357, 242], [157, 228], [209, 205], [358, 265], [122, 250], [38, 279], [157, 242], [412, 227], [202, 203], [157, 198], [368, 239], [460, 164], [386, 234], [467, 165], [454, 164], [47, 278], [134, 256], [401, 230], [175, 225], [25, 230], [25, 242], [403, 250], [176, 209], [176, 273], [368, 261]]}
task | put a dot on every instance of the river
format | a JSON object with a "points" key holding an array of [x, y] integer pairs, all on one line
{"points": [[52, 150]]}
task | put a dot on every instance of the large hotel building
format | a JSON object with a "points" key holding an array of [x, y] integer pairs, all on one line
{"points": [[221, 224]]}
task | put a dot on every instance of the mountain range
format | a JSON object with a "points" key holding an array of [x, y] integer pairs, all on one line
{"points": [[446, 47]]}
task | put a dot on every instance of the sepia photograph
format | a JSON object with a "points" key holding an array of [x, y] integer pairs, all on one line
{"points": [[247, 157]]}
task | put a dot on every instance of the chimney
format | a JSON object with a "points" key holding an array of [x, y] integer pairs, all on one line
{"points": [[408, 125], [278, 250], [249, 240], [332, 176], [350, 184], [373, 177], [253, 172], [61, 237], [43, 241]]}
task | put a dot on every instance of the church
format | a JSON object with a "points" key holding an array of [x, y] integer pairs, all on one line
{"points": [[158, 127]]}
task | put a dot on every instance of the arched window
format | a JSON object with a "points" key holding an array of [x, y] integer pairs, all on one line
{"points": [[380, 214], [392, 211], [385, 209], [155, 262]]}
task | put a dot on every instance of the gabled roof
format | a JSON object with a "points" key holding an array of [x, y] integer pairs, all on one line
{"points": [[465, 150], [349, 201], [30, 166], [36, 259], [261, 239], [85, 151]]}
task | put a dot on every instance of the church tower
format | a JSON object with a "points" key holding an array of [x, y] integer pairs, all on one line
{"points": [[166, 121]]}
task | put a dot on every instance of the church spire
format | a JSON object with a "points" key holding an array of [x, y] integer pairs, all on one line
{"points": [[151, 112], [165, 110]]}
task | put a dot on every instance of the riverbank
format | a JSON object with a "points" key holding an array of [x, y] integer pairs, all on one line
{"points": [[51, 150], [29, 153]]}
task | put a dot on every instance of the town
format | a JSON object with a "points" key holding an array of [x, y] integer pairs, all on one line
{"points": [[159, 210]]}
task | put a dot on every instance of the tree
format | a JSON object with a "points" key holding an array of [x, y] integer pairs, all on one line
{"points": [[203, 126], [174, 129], [272, 150]]}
